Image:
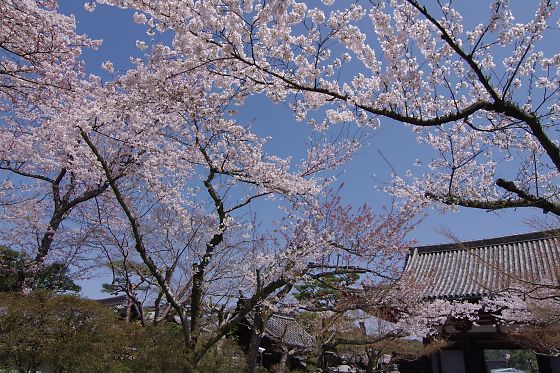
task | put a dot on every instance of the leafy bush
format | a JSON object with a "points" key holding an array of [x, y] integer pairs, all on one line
{"points": [[18, 270], [59, 333]]}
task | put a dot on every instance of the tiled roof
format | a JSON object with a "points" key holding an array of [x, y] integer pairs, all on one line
{"points": [[286, 330], [118, 301], [478, 268]]}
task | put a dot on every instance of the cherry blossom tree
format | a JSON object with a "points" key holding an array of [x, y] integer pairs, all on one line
{"points": [[153, 168], [482, 95], [529, 308], [178, 165], [190, 172], [180, 169], [39, 57], [41, 190]]}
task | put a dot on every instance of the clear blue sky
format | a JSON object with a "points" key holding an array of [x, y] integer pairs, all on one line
{"points": [[396, 143]]}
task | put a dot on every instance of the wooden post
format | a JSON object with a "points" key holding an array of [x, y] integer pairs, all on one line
{"points": [[543, 362]]}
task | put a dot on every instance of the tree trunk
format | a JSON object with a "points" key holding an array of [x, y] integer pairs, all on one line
{"points": [[256, 337], [190, 363], [283, 365], [372, 359]]}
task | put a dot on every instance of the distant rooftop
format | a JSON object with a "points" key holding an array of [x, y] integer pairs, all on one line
{"points": [[119, 300], [286, 330], [473, 269]]}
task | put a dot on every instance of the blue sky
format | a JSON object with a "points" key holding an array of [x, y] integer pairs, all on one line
{"points": [[396, 143]]}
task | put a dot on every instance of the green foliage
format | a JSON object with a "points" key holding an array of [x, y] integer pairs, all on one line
{"points": [[54, 277], [17, 268], [127, 274], [12, 270], [224, 357], [524, 360], [59, 333], [111, 288], [324, 291], [64, 333], [159, 348]]}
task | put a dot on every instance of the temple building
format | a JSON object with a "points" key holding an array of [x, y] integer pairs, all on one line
{"points": [[469, 271]]}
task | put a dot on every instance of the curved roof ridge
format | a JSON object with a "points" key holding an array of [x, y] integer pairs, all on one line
{"points": [[517, 238], [486, 266]]}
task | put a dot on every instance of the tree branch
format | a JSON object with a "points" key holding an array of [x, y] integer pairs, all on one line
{"points": [[135, 226]]}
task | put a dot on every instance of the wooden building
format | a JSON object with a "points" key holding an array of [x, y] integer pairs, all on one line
{"points": [[468, 271], [281, 333]]}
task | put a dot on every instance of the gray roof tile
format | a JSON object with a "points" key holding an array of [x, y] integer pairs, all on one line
{"points": [[287, 330], [478, 268]]}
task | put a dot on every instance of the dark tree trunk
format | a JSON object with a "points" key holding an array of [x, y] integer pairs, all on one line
{"points": [[372, 359], [283, 365], [256, 337]]}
